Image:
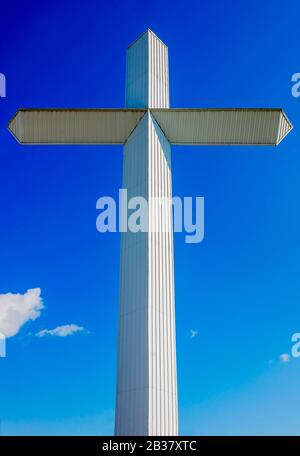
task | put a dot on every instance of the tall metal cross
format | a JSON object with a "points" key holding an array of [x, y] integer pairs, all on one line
{"points": [[146, 402]]}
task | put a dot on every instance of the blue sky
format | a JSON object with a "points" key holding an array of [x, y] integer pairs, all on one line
{"points": [[239, 288]]}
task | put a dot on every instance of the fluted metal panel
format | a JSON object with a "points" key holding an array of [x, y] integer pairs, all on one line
{"points": [[285, 127], [137, 78], [223, 126], [74, 126], [132, 403], [147, 383], [147, 73], [163, 413], [158, 73]]}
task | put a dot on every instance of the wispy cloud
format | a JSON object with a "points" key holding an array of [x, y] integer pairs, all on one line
{"points": [[285, 358], [193, 333], [61, 331], [16, 309]]}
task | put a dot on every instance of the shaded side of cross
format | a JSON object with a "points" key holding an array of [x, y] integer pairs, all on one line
{"points": [[146, 402]]}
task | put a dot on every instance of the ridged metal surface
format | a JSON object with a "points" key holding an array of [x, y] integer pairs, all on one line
{"points": [[163, 413], [223, 126], [132, 402], [158, 73], [74, 126], [284, 128], [147, 384], [147, 73], [136, 92]]}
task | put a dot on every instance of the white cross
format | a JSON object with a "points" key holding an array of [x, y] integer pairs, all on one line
{"points": [[147, 377]]}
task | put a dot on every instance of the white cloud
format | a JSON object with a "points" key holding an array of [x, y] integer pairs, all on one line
{"points": [[16, 309], [285, 358], [61, 331], [193, 333]]}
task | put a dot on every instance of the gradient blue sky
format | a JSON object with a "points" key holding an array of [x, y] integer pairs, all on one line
{"points": [[239, 289]]}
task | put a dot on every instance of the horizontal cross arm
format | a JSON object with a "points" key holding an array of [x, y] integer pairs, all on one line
{"points": [[223, 126], [180, 126], [74, 126]]}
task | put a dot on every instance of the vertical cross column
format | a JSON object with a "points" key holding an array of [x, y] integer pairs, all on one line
{"points": [[146, 372]]}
